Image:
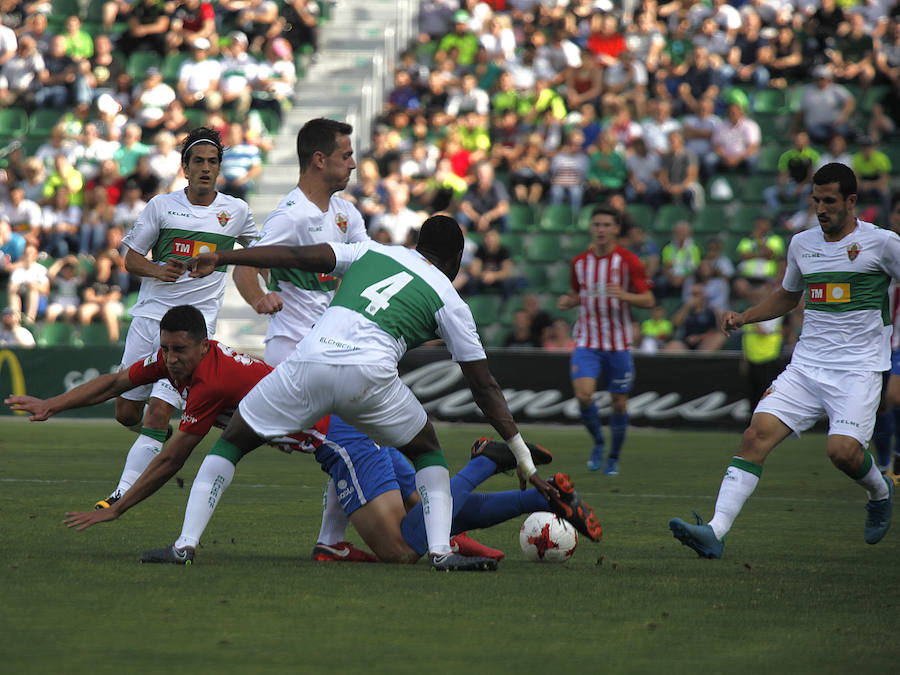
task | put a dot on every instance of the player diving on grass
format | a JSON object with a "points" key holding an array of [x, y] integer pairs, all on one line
{"points": [[378, 483]]}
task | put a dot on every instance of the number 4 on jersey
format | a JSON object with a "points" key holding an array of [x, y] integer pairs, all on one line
{"points": [[380, 293]]}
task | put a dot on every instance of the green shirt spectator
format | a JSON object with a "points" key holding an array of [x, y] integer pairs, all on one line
{"points": [[465, 42], [79, 44]]}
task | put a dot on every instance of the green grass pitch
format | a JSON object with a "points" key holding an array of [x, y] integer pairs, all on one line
{"points": [[798, 590]]}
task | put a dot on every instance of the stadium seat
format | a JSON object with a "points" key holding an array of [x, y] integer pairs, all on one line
{"points": [[535, 277], [576, 243], [270, 120], [556, 218], [559, 278], [13, 122], [42, 121], [543, 248], [769, 156], [485, 308], [493, 335], [713, 219], [513, 242], [752, 191], [583, 221], [723, 188], [94, 335], [743, 219], [172, 65], [774, 128], [521, 218], [868, 100], [641, 215], [514, 304], [668, 215], [56, 335], [67, 8], [769, 101], [139, 62], [196, 116]]}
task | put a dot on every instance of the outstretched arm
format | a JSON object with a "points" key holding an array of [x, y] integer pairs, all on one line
{"points": [[96, 391], [165, 465], [314, 258], [779, 303]]}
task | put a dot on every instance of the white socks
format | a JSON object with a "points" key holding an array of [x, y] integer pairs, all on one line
{"points": [[433, 484], [213, 477], [872, 480], [738, 484], [142, 452], [334, 520]]}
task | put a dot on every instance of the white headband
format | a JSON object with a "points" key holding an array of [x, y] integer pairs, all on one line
{"points": [[199, 140]]}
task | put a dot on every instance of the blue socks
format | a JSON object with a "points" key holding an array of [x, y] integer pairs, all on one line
{"points": [[618, 425], [484, 509], [882, 437], [591, 420]]}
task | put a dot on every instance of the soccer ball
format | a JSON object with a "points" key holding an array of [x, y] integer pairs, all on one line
{"points": [[545, 537]]}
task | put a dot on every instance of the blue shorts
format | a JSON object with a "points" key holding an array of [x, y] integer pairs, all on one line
{"points": [[360, 468], [613, 371], [895, 363]]}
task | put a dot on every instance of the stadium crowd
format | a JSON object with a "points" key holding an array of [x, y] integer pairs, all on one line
{"points": [[95, 100], [701, 121]]}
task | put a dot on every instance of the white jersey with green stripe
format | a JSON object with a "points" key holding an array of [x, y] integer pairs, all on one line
{"points": [[297, 221], [171, 227], [846, 319], [391, 299]]}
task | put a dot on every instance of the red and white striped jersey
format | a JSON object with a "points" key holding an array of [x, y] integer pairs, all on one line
{"points": [[603, 322], [894, 299]]}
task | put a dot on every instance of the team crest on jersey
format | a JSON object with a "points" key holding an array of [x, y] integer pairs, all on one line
{"points": [[151, 359], [853, 251], [341, 221], [223, 218], [768, 391]]}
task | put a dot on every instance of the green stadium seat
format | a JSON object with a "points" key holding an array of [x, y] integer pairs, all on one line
{"points": [[512, 305], [723, 188], [13, 122], [769, 101], [138, 63], [94, 335], [521, 218], [752, 192], [668, 215], [485, 308], [66, 8], [774, 128], [583, 221], [196, 115], [557, 218], [769, 156], [535, 277], [559, 279], [868, 100], [171, 65], [641, 214], [712, 219], [42, 121], [742, 223], [56, 335], [493, 335], [543, 248], [576, 243], [513, 242]]}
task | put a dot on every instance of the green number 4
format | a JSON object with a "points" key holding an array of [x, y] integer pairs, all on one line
{"points": [[380, 293]]}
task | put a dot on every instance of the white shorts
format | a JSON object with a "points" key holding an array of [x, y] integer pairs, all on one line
{"points": [[298, 393], [142, 341], [278, 349], [801, 394]]}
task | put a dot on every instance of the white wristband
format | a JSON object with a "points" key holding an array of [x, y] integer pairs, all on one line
{"points": [[523, 455]]}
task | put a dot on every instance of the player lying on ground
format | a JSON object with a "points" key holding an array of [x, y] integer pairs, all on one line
{"points": [[215, 378]]}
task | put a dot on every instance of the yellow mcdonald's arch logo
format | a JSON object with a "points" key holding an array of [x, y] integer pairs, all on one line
{"points": [[15, 371]]}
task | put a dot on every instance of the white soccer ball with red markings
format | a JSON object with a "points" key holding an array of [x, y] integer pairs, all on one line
{"points": [[545, 537]]}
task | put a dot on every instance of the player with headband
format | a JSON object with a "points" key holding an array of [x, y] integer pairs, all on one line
{"points": [[173, 228]]}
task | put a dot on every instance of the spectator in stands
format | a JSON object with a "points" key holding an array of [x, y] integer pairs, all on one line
{"points": [[558, 337], [645, 40], [643, 184], [540, 318], [715, 255], [584, 82], [151, 97], [239, 72], [680, 257], [368, 194], [198, 78], [486, 202], [115, 249], [761, 346], [714, 40], [191, 19], [698, 131], [825, 107], [102, 297], [468, 98], [20, 75], [36, 27], [148, 23], [656, 331], [78, 43], [655, 129], [802, 219], [241, 163], [492, 268], [607, 173], [735, 143], [12, 248], [59, 222], [568, 172], [716, 286], [787, 58], [700, 81], [605, 40], [12, 333], [110, 120], [61, 81], [760, 254], [57, 143], [276, 78], [398, 219], [29, 285], [300, 25], [625, 81], [530, 172], [748, 58], [144, 178], [109, 179], [873, 174], [460, 39], [679, 174], [125, 213], [623, 127], [23, 215], [165, 160], [95, 218], [35, 175], [795, 170], [837, 152], [852, 57], [637, 241], [520, 335], [131, 149], [259, 21], [115, 11], [175, 121], [66, 277], [91, 151], [698, 325]]}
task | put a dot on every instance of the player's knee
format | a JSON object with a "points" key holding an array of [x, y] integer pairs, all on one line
{"points": [[158, 415], [395, 551], [844, 454], [755, 444], [128, 413]]}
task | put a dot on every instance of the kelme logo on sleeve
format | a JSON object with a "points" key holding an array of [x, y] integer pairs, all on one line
{"points": [[829, 292], [191, 247]]}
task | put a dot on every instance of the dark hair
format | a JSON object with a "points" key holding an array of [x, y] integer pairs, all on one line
{"points": [[185, 318], [441, 236], [607, 210], [204, 134], [319, 135], [895, 198], [835, 172]]}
